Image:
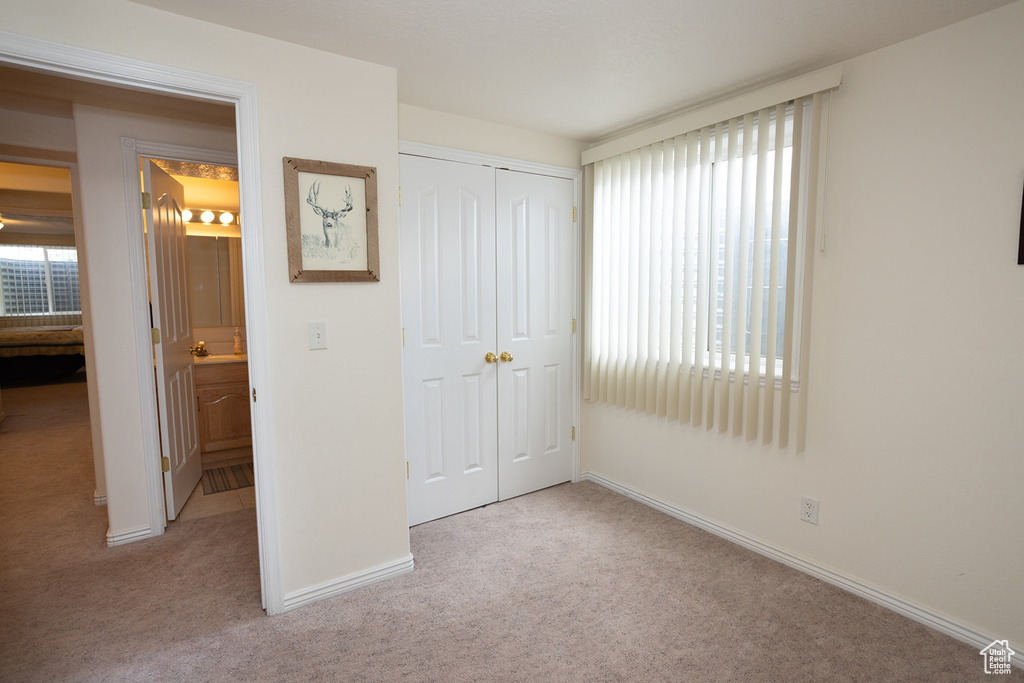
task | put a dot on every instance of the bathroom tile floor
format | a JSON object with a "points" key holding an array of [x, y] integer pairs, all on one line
{"points": [[199, 505]]}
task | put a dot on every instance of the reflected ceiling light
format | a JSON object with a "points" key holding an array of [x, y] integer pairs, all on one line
{"points": [[206, 217], [186, 215], [226, 218]]}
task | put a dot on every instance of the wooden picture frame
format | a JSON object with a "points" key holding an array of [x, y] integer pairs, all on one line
{"points": [[331, 219]]}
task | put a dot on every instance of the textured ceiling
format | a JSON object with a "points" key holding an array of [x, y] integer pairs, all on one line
{"points": [[584, 69]]}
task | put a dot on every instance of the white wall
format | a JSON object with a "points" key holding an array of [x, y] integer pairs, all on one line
{"points": [[337, 414], [27, 129], [105, 255], [427, 126], [915, 433]]}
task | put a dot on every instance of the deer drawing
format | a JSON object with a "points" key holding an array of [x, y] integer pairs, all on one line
{"points": [[335, 232]]}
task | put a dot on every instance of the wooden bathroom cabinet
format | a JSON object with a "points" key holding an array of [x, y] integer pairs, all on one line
{"points": [[222, 393]]}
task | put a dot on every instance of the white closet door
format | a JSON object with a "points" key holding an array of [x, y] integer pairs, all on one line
{"points": [[448, 301], [536, 259]]}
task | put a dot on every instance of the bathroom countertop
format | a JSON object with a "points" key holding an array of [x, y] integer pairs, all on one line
{"points": [[221, 358]]}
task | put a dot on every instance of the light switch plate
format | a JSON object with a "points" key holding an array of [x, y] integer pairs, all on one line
{"points": [[318, 335]]}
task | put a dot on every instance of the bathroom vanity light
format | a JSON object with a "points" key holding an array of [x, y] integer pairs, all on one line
{"points": [[210, 221]]}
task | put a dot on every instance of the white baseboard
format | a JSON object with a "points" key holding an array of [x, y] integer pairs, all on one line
{"points": [[99, 498], [329, 589], [879, 596], [128, 535]]}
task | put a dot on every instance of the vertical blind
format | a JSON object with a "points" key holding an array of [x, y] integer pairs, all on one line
{"points": [[702, 254]]}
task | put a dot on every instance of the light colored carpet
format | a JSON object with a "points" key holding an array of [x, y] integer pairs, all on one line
{"points": [[574, 583]]}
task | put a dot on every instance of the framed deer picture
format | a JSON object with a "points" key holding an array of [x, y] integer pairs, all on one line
{"points": [[331, 218]]}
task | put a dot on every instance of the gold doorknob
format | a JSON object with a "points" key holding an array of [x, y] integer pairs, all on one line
{"points": [[506, 357], [491, 358]]}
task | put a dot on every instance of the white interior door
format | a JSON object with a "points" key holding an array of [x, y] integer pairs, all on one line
{"points": [[175, 382], [448, 300], [536, 289]]}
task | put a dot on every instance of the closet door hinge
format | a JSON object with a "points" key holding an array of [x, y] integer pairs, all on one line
{"points": [[403, 336], [573, 433], [165, 464], [406, 470], [147, 200], [399, 195], [574, 325], [574, 214]]}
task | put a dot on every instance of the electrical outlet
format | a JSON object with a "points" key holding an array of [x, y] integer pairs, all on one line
{"points": [[318, 335], [809, 510]]}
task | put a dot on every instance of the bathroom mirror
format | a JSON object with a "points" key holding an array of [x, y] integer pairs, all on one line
{"points": [[215, 281]]}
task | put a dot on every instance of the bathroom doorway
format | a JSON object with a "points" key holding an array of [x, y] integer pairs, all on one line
{"points": [[194, 264]]}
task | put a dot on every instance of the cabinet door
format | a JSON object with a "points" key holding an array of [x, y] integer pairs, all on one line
{"points": [[224, 417]]}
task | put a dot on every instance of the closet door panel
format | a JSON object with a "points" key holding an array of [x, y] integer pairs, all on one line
{"points": [[535, 266], [448, 299]]}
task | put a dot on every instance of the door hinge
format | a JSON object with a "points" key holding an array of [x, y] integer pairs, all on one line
{"points": [[403, 336], [155, 333], [574, 214], [147, 201], [254, 394], [406, 470], [165, 464], [574, 325], [399, 195], [573, 433]]}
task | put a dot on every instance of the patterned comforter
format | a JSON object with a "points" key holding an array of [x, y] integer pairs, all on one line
{"points": [[41, 341]]}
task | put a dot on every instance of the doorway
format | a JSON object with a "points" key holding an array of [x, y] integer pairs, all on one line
{"points": [[83, 66], [489, 297], [196, 287]]}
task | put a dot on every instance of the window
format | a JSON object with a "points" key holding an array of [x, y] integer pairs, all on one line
{"points": [[697, 281], [39, 280]]}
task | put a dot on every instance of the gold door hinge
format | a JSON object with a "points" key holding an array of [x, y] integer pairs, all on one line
{"points": [[403, 336], [573, 433], [147, 201], [399, 195], [406, 470], [165, 464], [574, 214], [574, 325], [155, 333]]}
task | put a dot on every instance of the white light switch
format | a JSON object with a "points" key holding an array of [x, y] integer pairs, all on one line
{"points": [[318, 335]]}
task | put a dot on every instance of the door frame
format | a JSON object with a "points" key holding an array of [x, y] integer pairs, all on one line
{"points": [[576, 176], [133, 151], [73, 62]]}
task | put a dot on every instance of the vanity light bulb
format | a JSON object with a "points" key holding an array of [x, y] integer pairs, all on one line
{"points": [[206, 216], [186, 215], [226, 218]]}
